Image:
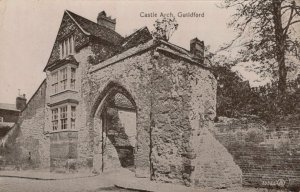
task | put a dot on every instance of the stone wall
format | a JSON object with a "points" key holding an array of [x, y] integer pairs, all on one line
{"points": [[175, 102], [32, 142], [183, 150], [265, 160], [132, 76]]}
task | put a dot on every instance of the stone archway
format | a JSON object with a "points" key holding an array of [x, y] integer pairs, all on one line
{"points": [[115, 127]]}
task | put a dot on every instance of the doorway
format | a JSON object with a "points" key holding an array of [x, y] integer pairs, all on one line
{"points": [[118, 131]]}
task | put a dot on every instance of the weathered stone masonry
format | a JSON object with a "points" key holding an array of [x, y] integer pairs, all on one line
{"points": [[32, 142], [174, 100]]}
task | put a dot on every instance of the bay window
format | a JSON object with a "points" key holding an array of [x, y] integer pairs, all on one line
{"points": [[63, 79], [63, 117]]}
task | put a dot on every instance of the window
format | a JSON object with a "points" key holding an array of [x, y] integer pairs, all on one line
{"points": [[73, 72], [64, 79], [54, 119], [73, 116], [55, 82], [64, 117], [1, 119], [66, 47]]}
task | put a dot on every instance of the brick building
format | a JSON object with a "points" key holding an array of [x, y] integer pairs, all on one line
{"points": [[134, 102]]}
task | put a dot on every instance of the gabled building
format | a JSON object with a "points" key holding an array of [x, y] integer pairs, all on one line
{"points": [[134, 102]]}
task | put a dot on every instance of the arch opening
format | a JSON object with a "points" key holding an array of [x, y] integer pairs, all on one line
{"points": [[117, 114]]}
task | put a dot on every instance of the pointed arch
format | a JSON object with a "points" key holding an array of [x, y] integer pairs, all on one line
{"points": [[110, 90], [104, 123]]}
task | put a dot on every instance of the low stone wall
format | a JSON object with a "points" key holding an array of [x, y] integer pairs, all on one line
{"points": [[264, 160]]}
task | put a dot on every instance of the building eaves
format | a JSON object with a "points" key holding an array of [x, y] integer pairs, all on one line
{"points": [[4, 125], [128, 53], [167, 48], [8, 106]]}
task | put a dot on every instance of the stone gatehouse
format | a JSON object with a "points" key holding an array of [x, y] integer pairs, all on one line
{"points": [[134, 102]]}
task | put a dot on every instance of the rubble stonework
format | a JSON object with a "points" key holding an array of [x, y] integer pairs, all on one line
{"points": [[172, 94], [32, 143]]}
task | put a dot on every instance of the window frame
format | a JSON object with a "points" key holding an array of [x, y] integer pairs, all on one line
{"points": [[73, 79], [63, 117], [66, 46], [54, 119], [63, 74], [73, 117], [55, 81], [65, 79]]}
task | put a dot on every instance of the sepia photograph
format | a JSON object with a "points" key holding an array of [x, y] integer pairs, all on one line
{"points": [[150, 96]]}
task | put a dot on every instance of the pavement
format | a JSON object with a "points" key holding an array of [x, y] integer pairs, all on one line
{"points": [[120, 181], [44, 175]]}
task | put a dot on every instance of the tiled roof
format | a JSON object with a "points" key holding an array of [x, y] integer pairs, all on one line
{"points": [[138, 37], [8, 106], [97, 30], [58, 63]]}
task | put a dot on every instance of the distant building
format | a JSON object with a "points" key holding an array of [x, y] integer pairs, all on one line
{"points": [[9, 114]]}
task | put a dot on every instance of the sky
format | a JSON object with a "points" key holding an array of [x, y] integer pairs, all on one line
{"points": [[28, 30]]}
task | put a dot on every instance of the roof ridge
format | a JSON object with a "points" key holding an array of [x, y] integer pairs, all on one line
{"points": [[132, 35], [69, 13], [80, 16], [76, 15]]}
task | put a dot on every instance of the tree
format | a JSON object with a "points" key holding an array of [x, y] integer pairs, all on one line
{"points": [[164, 28], [267, 33], [233, 93]]}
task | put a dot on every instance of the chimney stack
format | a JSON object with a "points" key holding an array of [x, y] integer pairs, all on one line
{"points": [[105, 21], [21, 102], [197, 48]]}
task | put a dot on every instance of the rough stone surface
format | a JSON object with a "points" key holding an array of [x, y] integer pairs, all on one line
{"points": [[33, 145], [175, 103]]}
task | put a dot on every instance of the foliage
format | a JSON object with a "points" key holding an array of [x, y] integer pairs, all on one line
{"points": [[235, 98], [267, 34], [266, 103], [164, 28], [232, 93]]}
